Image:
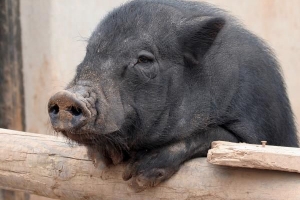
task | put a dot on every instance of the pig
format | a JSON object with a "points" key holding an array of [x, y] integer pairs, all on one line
{"points": [[161, 80]]}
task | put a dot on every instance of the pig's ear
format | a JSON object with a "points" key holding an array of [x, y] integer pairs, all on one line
{"points": [[197, 35]]}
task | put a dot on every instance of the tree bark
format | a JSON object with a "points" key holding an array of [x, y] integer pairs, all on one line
{"points": [[11, 78], [255, 156], [48, 166]]}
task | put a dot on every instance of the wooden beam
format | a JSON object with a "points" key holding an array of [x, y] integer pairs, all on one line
{"points": [[48, 166], [255, 156]]}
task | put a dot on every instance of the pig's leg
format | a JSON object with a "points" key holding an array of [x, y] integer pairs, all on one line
{"points": [[108, 156], [150, 167], [97, 156]]}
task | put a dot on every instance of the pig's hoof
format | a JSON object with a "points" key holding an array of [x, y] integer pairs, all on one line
{"points": [[96, 163], [94, 155], [147, 178]]}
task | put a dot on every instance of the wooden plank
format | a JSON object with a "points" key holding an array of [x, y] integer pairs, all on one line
{"points": [[255, 156], [48, 166]]}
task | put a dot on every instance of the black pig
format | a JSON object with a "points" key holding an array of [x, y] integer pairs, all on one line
{"points": [[162, 79]]}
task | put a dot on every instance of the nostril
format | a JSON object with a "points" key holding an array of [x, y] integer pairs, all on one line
{"points": [[68, 111], [54, 109], [75, 111]]}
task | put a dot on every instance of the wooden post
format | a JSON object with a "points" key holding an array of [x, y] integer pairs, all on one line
{"points": [[46, 165], [11, 79]]}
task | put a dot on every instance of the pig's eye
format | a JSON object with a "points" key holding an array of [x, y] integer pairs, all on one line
{"points": [[145, 65], [144, 59]]}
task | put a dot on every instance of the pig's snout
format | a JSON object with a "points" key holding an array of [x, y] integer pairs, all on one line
{"points": [[67, 111]]}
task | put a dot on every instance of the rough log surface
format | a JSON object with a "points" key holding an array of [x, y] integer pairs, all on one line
{"points": [[48, 166], [255, 156]]}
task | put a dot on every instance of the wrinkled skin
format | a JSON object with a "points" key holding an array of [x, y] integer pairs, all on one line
{"points": [[162, 79]]}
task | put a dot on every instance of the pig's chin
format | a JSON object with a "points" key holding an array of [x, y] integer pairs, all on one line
{"points": [[87, 138], [80, 138]]}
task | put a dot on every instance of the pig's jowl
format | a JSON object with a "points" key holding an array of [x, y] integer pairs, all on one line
{"points": [[162, 79]]}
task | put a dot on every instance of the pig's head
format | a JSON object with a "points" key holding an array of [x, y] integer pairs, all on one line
{"points": [[129, 91]]}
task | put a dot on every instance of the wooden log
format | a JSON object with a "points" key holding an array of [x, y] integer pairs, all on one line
{"points": [[48, 166], [255, 156]]}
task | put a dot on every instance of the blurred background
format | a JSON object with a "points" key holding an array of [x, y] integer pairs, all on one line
{"points": [[45, 40]]}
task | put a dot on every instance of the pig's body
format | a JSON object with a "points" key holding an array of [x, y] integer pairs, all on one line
{"points": [[162, 79]]}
